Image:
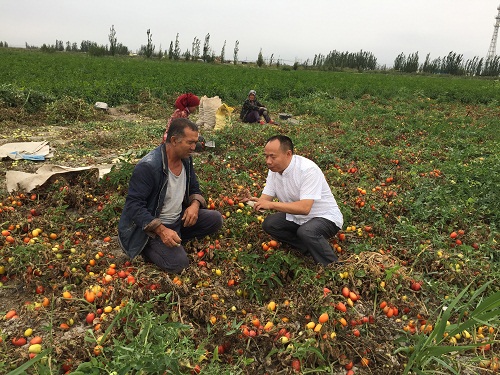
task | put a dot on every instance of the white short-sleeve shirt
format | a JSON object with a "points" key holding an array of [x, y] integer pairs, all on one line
{"points": [[303, 179]]}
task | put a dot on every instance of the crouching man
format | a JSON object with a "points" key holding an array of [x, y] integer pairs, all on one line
{"points": [[308, 215], [164, 207]]}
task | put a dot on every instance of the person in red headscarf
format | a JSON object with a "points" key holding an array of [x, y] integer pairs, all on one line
{"points": [[185, 104]]}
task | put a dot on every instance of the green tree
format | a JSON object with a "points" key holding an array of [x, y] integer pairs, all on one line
{"points": [[206, 48], [150, 48], [171, 51], [223, 53], [235, 52], [260, 59], [177, 48], [112, 40], [195, 49]]}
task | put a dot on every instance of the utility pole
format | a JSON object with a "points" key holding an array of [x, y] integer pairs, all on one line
{"points": [[493, 45]]}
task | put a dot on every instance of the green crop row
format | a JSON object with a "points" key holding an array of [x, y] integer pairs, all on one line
{"points": [[121, 79]]}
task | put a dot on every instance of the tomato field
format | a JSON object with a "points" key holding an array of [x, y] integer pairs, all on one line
{"points": [[413, 162]]}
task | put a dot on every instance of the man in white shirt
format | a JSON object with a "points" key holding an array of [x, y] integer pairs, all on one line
{"points": [[308, 215]]}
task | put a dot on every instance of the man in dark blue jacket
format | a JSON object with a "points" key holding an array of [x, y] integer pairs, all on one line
{"points": [[164, 206]]}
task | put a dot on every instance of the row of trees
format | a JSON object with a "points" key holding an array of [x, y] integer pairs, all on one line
{"points": [[453, 64], [194, 54], [4, 44], [339, 60]]}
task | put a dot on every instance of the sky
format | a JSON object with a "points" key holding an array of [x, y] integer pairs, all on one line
{"points": [[290, 30]]}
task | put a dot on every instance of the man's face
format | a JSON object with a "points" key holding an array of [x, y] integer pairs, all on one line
{"points": [[276, 159], [251, 97], [185, 145]]}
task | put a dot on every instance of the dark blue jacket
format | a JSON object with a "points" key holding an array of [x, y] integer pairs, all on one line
{"points": [[146, 193]]}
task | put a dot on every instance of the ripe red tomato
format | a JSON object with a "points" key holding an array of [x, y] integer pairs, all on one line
{"points": [[90, 318], [19, 341], [296, 365], [415, 286]]}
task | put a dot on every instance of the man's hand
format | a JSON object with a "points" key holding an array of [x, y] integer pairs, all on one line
{"points": [[168, 236], [261, 203], [190, 216], [265, 202]]}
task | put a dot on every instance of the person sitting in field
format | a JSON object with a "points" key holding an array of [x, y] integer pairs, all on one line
{"points": [[185, 104], [252, 110], [164, 207]]}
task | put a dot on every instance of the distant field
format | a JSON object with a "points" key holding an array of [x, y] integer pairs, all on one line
{"points": [[119, 80]]}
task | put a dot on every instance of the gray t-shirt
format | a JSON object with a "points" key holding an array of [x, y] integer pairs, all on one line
{"points": [[172, 206]]}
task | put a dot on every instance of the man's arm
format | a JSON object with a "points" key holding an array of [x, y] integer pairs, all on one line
{"points": [[265, 202]]}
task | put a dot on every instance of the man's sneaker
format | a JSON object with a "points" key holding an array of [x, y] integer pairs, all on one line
{"points": [[271, 122], [262, 122]]}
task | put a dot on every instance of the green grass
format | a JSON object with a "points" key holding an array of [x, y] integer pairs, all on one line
{"points": [[123, 79]]}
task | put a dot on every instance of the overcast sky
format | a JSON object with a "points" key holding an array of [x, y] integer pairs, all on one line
{"points": [[289, 29]]}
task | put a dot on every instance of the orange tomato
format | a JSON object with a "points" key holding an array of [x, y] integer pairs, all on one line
{"points": [[67, 294], [273, 244], [389, 313], [97, 349], [10, 314], [36, 340], [345, 291], [323, 318], [89, 296], [341, 307], [111, 271]]}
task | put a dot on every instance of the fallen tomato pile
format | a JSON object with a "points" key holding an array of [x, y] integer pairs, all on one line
{"points": [[63, 288], [416, 286]]}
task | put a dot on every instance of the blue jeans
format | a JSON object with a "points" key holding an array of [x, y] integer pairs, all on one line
{"points": [[311, 238], [175, 259]]}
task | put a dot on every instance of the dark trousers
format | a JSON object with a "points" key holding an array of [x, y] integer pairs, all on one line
{"points": [[175, 259], [311, 238], [254, 116]]}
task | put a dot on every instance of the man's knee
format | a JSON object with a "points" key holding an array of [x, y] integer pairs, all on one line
{"points": [[215, 220], [305, 232], [268, 224], [176, 265]]}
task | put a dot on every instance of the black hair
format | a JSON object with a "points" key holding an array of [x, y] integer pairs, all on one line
{"points": [[285, 142], [178, 126]]}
